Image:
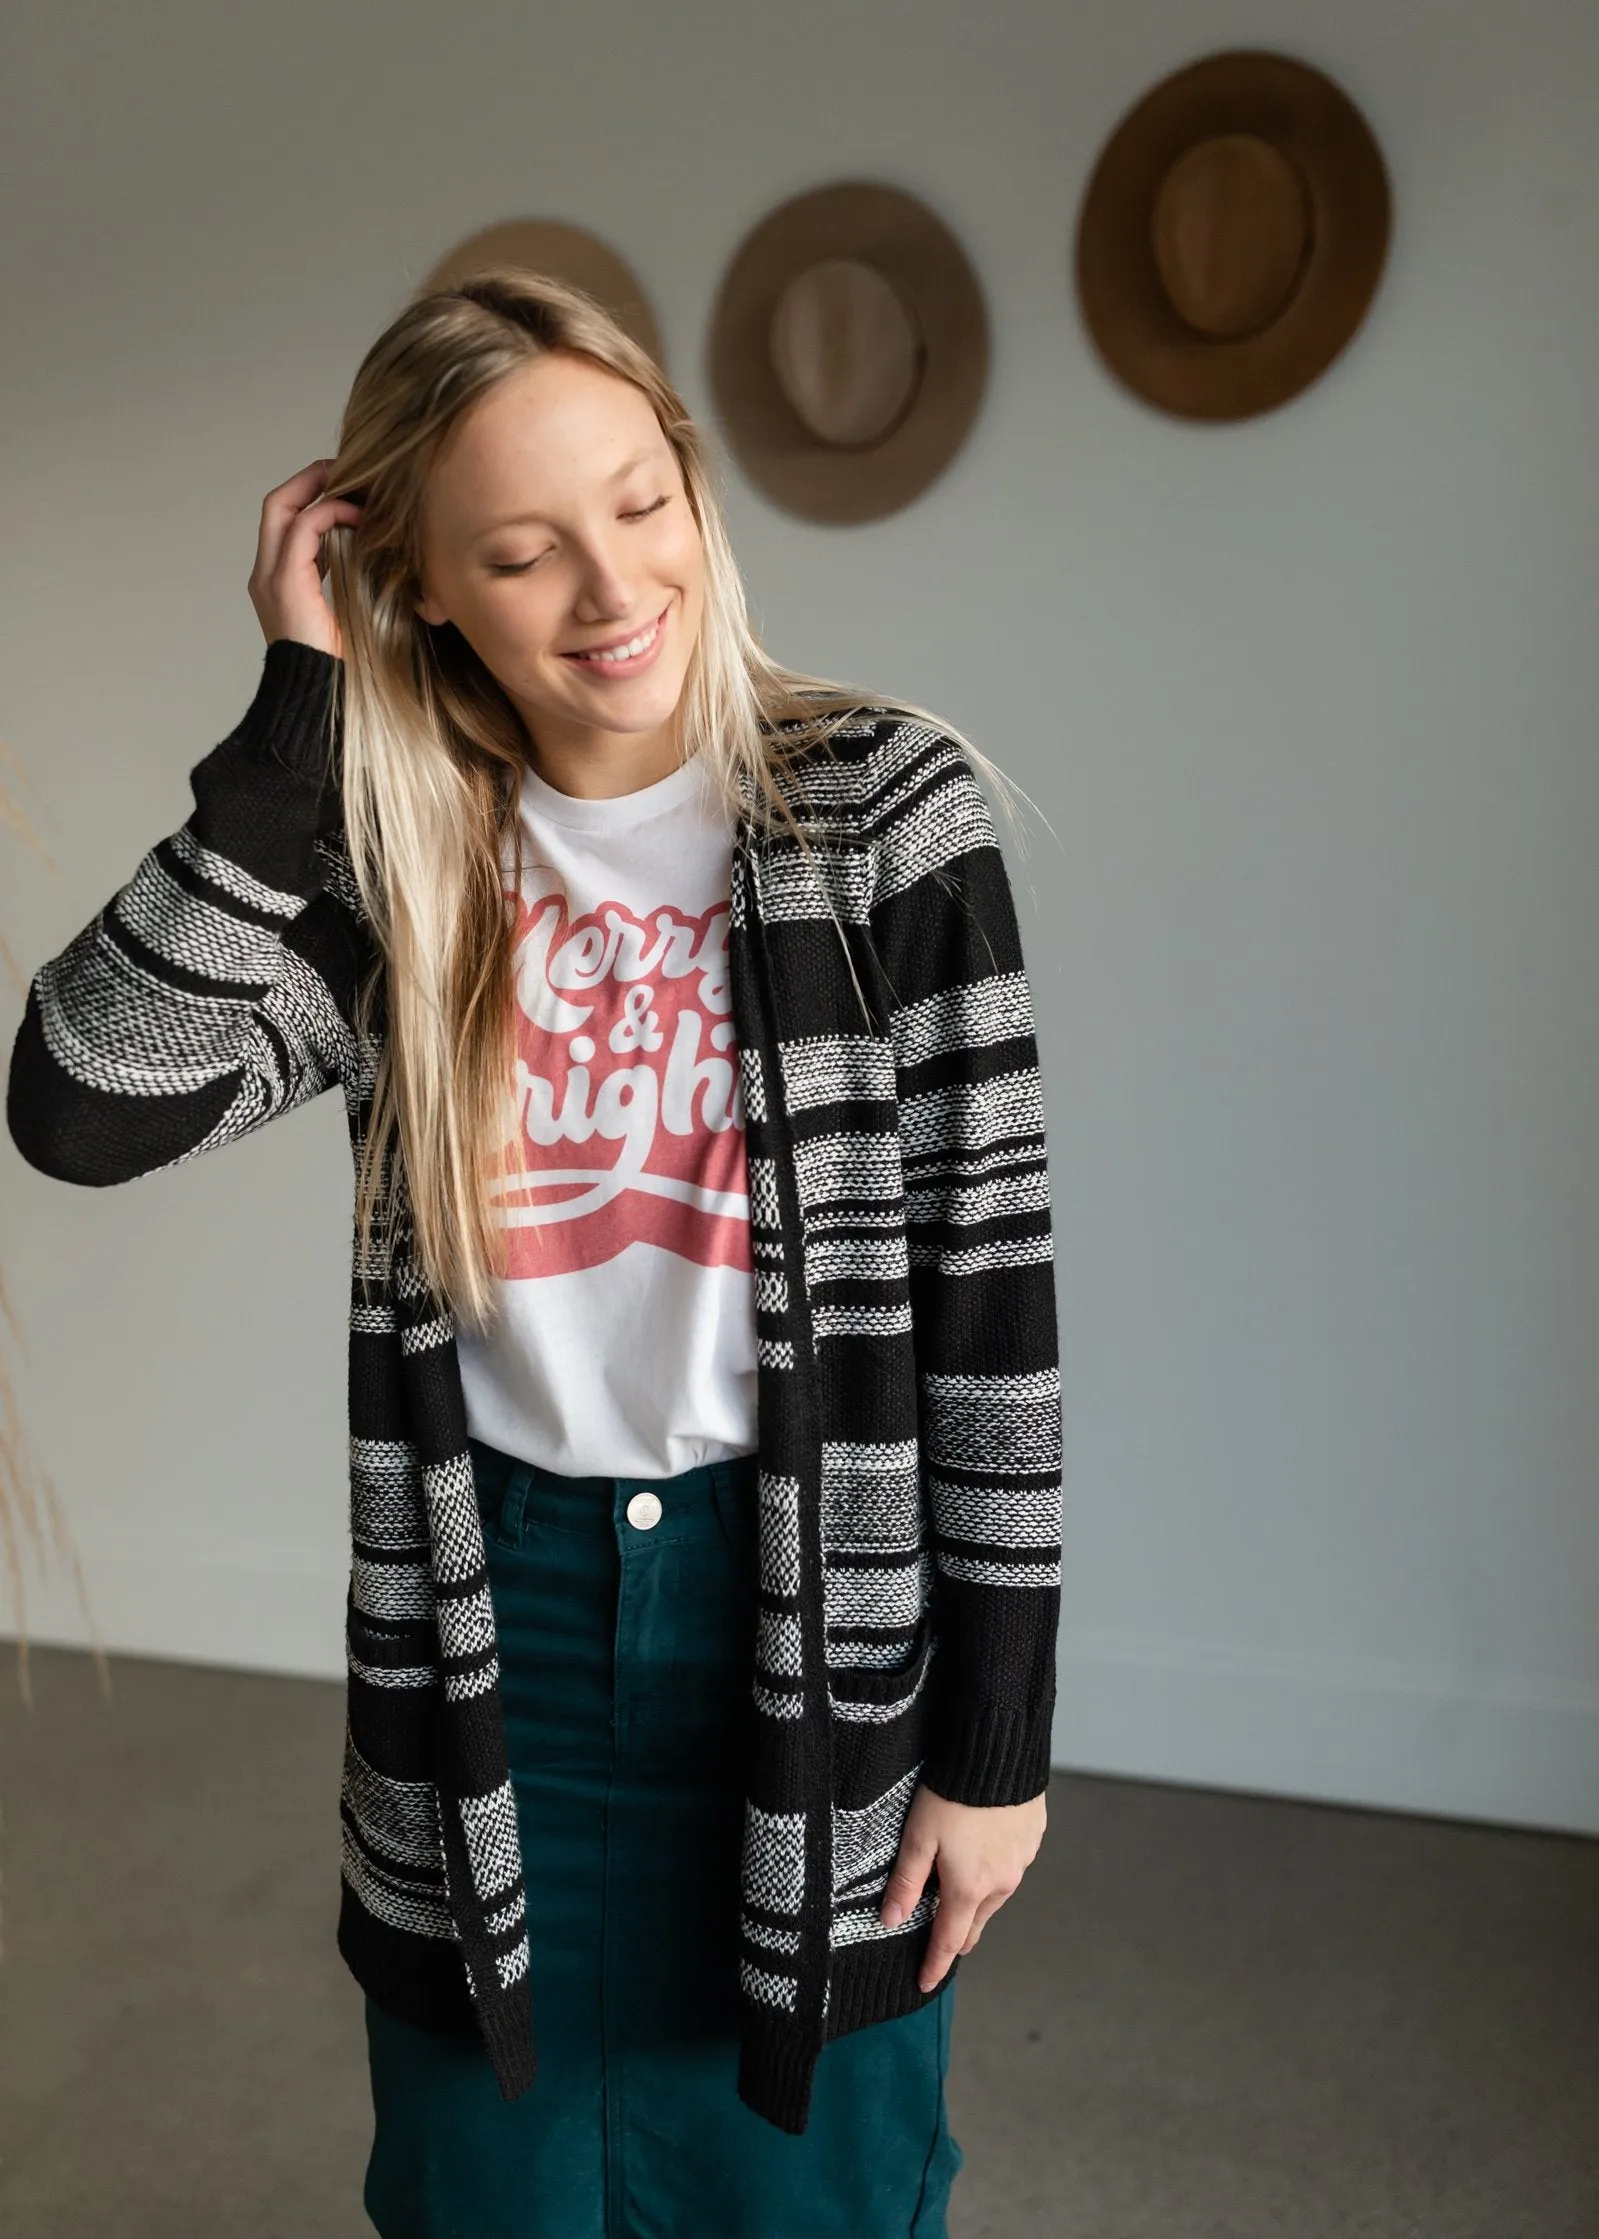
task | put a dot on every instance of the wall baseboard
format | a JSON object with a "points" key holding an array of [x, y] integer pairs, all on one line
{"points": [[1388, 1739]]}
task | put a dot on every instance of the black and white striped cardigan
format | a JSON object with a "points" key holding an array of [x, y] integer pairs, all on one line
{"points": [[908, 1372]]}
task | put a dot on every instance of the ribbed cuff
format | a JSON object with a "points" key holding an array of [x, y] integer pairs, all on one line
{"points": [[288, 718], [990, 1756]]}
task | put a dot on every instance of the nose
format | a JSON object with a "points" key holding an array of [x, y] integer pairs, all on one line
{"points": [[609, 586]]}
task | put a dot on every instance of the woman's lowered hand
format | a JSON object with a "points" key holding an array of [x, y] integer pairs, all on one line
{"points": [[982, 1850]]}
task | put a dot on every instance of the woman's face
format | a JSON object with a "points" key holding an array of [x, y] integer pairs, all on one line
{"points": [[555, 523]]}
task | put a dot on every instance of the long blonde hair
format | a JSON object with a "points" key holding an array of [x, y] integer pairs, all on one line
{"points": [[432, 747]]}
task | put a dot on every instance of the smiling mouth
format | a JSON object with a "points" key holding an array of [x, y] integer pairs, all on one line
{"points": [[622, 650]]}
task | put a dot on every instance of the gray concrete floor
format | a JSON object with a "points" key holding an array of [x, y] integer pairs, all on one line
{"points": [[1200, 2015]]}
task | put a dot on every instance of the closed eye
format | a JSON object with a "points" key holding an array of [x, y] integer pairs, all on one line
{"points": [[520, 567]]}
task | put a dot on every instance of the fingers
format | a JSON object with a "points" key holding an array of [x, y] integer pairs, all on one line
{"points": [[293, 536], [289, 496], [984, 1914], [307, 528], [952, 1925], [290, 546], [902, 1892], [293, 512], [282, 506], [286, 582], [957, 1925]]}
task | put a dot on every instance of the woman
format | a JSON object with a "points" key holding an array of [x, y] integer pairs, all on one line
{"points": [[704, 1394]]}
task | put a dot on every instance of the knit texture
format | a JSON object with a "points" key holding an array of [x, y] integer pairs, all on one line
{"points": [[908, 1366]]}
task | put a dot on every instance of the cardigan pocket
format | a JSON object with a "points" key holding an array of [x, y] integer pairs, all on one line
{"points": [[394, 1652], [871, 1692], [881, 1732]]}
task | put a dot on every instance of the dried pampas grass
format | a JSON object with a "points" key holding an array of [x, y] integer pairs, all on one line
{"points": [[32, 1518]]}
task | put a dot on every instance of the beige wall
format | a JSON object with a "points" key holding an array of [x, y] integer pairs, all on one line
{"points": [[1309, 703]]}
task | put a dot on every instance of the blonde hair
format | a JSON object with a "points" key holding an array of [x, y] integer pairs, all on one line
{"points": [[432, 747]]}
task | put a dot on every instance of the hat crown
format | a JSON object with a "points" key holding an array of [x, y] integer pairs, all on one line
{"points": [[1231, 231], [847, 350]]}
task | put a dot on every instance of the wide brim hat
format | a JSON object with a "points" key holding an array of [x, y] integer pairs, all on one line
{"points": [[848, 351], [1232, 235], [566, 252]]}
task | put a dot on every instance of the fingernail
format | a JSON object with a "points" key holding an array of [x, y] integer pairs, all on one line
{"points": [[893, 1914]]}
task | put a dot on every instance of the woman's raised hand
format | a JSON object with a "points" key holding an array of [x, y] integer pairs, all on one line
{"points": [[286, 581]]}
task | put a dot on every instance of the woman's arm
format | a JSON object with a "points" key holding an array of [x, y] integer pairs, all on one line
{"points": [[211, 992], [982, 1272], [216, 989]]}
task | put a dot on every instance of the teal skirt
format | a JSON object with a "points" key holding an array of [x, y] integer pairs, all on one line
{"points": [[626, 1629]]}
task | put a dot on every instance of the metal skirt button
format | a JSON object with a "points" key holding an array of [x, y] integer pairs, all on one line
{"points": [[644, 1511]]}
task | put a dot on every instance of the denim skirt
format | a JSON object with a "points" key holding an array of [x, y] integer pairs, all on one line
{"points": [[626, 1617]]}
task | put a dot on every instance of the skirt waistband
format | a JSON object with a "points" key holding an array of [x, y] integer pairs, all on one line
{"points": [[512, 1489]]}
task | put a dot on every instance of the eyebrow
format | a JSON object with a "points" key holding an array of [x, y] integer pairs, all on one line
{"points": [[520, 520]]}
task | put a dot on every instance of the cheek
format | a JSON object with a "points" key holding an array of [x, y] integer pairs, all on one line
{"points": [[522, 622], [506, 633], [679, 557]]}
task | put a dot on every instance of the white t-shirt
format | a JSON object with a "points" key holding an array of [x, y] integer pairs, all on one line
{"points": [[626, 1344]]}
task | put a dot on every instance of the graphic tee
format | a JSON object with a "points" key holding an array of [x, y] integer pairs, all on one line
{"points": [[626, 1342]]}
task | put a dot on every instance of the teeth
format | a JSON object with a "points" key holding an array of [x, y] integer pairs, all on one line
{"points": [[622, 652]]}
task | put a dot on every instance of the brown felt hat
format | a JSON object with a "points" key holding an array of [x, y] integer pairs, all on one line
{"points": [[848, 351], [1232, 235]]}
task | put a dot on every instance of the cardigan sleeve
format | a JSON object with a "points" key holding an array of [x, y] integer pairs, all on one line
{"points": [[981, 1274], [199, 1001]]}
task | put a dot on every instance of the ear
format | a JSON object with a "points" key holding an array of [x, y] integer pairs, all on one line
{"points": [[430, 610]]}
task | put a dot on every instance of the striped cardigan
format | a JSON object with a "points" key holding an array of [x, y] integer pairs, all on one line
{"points": [[908, 1375]]}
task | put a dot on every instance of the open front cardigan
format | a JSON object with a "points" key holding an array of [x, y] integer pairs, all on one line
{"points": [[908, 1382]]}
